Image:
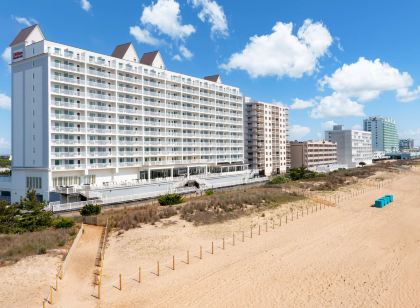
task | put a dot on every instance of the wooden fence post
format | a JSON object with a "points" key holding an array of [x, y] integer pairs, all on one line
{"points": [[188, 257], [120, 283], [266, 226], [273, 223], [251, 232], [259, 229], [56, 282], [212, 248], [173, 263], [223, 243], [51, 295], [158, 268], [139, 274]]}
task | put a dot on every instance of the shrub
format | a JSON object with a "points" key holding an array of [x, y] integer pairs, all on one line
{"points": [[209, 192], [90, 209], [42, 250], [280, 179], [27, 215], [171, 199], [63, 222]]}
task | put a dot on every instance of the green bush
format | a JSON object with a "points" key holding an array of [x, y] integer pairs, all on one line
{"points": [[170, 199], [90, 210], [280, 179], [27, 215], [63, 222], [209, 192]]}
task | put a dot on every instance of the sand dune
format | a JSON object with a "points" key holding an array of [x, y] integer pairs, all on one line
{"points": [[353, 255]]}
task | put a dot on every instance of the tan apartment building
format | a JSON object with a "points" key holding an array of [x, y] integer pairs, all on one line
{"points": [[266, 130], [311, 154]]}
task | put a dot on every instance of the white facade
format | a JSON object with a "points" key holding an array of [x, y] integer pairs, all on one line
{"points": [[83, 118], [265, 127], [353, 146]]}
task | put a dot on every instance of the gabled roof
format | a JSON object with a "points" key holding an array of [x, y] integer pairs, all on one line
{"points": [[23, 35], [149, 57], [120, 50], [213, 78]]}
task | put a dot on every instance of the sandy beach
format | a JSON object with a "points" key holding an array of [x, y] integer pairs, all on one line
{"points": [[351, 255]]}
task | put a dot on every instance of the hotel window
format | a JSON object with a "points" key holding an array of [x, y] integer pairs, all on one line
{"points": [[33, 182]]}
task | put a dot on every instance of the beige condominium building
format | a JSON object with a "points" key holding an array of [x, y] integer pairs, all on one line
{"points": [[265, 134], [311, 154]]}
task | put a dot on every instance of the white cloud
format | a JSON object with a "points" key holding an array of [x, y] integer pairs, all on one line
{"points": [[302, 104], [165, 16], [185, 52], [143, 36], [4, 144], [336, 105], [85, 5], [282, 53], [357, 127], [214, 14], [405, 95], [177, 57], [298, 131], [366, 80], [25, 21], [328, 125], [6, 55], [5, 101]]}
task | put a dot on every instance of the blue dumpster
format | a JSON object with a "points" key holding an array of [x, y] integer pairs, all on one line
{"points": [[391, 197]]}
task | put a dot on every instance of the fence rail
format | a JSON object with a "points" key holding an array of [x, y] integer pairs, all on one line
{"points": [[70, 252], [63, 207]]}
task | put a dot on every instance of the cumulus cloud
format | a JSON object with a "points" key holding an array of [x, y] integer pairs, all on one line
{"points": [[164, 15], [357, 127], [25, 21], [366, 80], [282, 53], [328, 125], [336, 105], [85, 5], [4, 144], [298, 131], [302, 104], [6, 55], [5, 101], [143, 36], [185, 52], [177, 57], [212, 12]]}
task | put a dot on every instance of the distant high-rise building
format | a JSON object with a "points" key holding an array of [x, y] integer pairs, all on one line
{"points": [[384, 133], [406, 144], [353, 146]]}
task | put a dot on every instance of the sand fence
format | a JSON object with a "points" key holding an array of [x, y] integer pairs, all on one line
{"points": [[255, 231]]}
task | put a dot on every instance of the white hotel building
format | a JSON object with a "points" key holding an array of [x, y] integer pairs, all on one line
{"points": [[86, 120]]}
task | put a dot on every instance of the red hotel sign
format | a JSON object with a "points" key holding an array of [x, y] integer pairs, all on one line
{"points": [[17, 55]]}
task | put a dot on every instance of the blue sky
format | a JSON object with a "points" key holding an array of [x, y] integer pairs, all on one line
{"points": [[331, 61]]}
